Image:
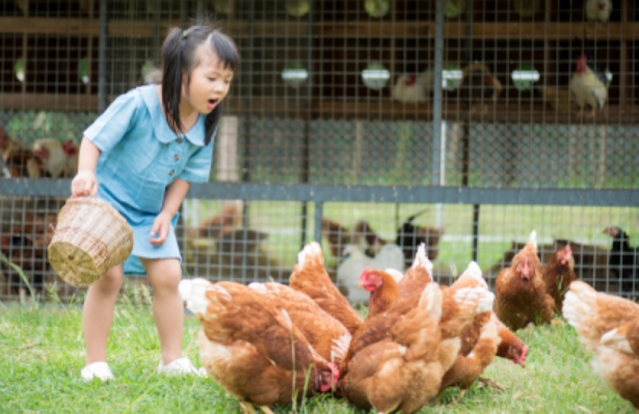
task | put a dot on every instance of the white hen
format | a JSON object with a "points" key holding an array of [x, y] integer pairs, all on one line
{"points": [[414, 88], [53, 155], [598, 10]]}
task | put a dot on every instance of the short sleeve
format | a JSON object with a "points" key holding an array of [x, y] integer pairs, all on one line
{"points": [[198, 167], [113, 124]]}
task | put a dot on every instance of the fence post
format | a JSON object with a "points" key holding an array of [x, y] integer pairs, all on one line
{"points": [[318, 221], [102, 57], [437, 93]]}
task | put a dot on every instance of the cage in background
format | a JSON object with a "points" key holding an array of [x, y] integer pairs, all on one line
{"points": [[361, 113]]}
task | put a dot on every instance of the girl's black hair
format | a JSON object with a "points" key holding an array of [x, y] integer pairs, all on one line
{"points": [[180, 56]]}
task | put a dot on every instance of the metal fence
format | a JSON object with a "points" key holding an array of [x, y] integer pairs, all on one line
{"points": [[346, 119]]}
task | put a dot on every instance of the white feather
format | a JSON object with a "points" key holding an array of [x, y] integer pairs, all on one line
{"points": [[533, 239], [432, 297], [421, 259], [340, 347], [614, 340], [311, 249], [485, 302], [193, 292], [395, 274], [258, 287]]}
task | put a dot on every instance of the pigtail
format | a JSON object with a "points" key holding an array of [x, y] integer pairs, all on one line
{"points": [[172, 69]]}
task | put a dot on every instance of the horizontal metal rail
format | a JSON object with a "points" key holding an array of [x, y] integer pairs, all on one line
{"points": [[362, 193]]}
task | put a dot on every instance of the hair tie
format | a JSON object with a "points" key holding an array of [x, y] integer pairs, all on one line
{"points": [[184, 33]]}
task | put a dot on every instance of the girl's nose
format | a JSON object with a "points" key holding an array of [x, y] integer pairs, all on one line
{"points": [[219, 86]]}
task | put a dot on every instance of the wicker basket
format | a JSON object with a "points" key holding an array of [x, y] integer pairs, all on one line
{"points": [[90, 238]]}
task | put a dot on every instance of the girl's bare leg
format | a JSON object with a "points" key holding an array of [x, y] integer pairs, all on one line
{"points": [[97, 313], [168, 308]]}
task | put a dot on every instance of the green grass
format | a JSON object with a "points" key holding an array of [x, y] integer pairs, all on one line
{"points": [[42, 352]]}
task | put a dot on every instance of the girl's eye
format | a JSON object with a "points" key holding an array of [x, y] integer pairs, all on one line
{"points": [[212, 79]]}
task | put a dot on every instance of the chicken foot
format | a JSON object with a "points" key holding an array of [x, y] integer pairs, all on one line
{"points": [[491, 383], [247, 408], [592, 113], [457, 399]]}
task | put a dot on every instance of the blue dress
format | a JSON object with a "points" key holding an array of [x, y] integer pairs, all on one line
{"points": [[140, 157]]}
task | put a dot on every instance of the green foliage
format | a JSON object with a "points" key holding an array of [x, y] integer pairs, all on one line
{"points": [[29, 126]]}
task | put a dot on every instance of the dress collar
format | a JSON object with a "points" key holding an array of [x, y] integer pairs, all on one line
{"points": [[163, 132]]}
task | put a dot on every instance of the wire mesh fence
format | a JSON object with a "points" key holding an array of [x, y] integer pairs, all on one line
{"points": [[350, 93]]}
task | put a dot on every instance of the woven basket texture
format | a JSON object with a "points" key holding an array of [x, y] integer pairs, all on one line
{"points": [[90, 238]]}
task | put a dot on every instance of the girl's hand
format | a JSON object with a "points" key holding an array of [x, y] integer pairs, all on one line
{"points": [[161, 227], [84, 184]]}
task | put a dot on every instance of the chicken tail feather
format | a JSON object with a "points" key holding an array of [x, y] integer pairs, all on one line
{"points": [[579, 303], [533, 239], [432, 299], [193, 292], [421, 259], [311, 251]]}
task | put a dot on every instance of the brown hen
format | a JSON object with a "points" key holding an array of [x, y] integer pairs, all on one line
{"points": [[250, 348], [402, 372], [326, 334], [608, 326], [310, 277], [521, 290], [559, 273]]}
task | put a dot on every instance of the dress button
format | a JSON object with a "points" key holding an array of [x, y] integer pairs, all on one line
{"points": [[177, 157], [172, 172], [180, 140]]}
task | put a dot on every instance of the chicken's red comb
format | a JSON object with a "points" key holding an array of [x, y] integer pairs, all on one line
{"points": [[522, 357], [69, 148], [364, 275], [568, 250]]}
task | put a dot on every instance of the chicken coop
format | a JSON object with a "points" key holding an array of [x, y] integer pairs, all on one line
{"points": [[370, 126]]}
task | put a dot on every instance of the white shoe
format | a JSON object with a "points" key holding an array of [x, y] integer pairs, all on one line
{"points": [[96, 370], [181, 366]]}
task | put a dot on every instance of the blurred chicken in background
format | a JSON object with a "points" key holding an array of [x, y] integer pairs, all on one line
{"points": [[52, 154], [18, 160], [588, 86], [72, 150], [413, 88], [598, 10], [478, 87]]}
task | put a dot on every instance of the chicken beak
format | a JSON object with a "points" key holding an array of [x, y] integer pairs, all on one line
{"points": [[359, 286]]}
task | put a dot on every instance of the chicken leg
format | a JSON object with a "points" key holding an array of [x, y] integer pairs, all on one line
{"points": [[592, 113], [247, 408], [491, 383]]}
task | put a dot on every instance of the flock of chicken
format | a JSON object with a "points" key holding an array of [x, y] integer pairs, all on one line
{"points": [[49, 157], [269, 343], [588, 87]]}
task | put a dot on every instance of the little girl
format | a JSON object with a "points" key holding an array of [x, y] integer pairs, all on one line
{"points": [[141, 155]]}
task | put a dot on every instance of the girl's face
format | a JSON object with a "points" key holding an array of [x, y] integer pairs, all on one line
{"points": [[210, 83]]}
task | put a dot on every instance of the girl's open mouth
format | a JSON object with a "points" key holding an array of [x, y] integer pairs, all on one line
{"points": [[212, 103]]}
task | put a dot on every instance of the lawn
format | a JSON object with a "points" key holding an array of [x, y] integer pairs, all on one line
{"points": [[42, 352]]}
